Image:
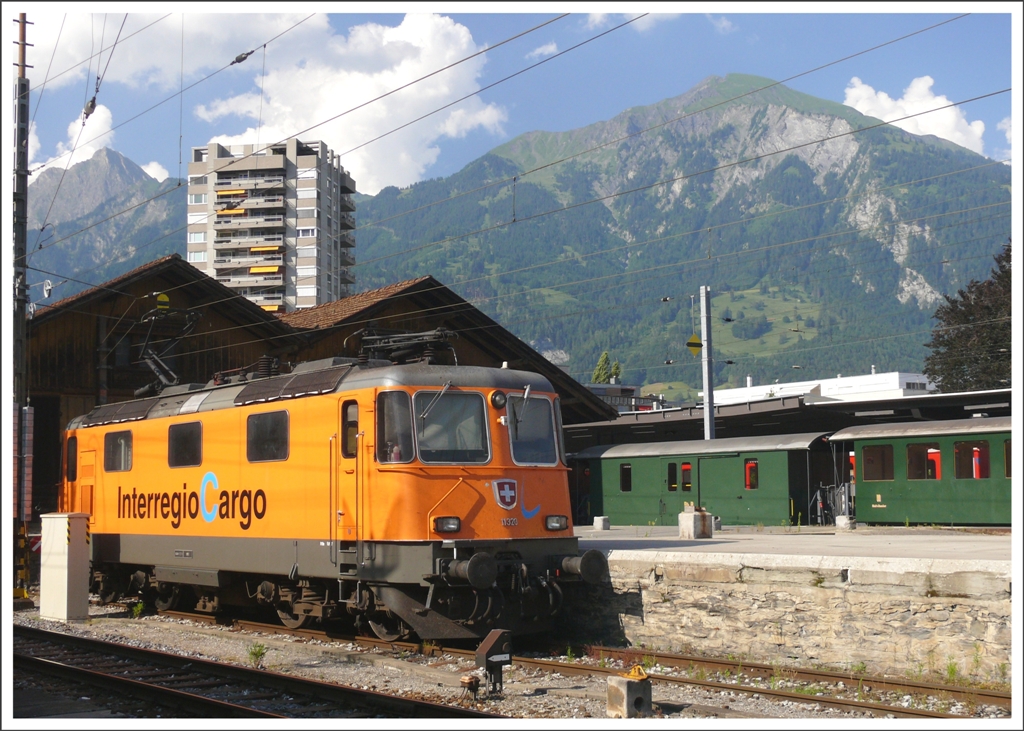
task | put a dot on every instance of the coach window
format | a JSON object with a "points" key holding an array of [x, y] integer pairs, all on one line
{"points": [[349, 428], [877, 463], [625, 477], [1006, 457], [117, 451], [970, 460], [750, 474], [266, 437], [684, 476], [71, 460], [185, 445], [924, 461], [673, 481], [394, 427]]}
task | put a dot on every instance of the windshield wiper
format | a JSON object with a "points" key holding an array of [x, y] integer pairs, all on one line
{"points": [[517, 418], [434, 400]]}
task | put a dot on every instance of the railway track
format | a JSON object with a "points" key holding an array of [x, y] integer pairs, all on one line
{"points": [[194, 687], [808, 686]]}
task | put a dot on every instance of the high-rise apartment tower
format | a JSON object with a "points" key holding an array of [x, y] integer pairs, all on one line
{"points": [[275, 225]]}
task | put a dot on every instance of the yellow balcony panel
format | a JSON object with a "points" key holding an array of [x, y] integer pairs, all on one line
{"points": [[231, 192], [264, 270], [265, 248], [271, 308]]}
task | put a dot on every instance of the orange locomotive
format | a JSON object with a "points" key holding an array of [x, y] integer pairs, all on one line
{"points": [[413, 498]]}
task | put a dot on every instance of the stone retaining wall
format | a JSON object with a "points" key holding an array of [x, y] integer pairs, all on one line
{"points": [[909, 616]]}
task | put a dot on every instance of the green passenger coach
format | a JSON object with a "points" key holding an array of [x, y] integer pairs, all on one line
{"points": [[941, 472], [744, 481]]}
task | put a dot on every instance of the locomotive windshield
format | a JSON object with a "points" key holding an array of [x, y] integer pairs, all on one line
{"points": [[450, 427], [531, 430], [394, 427]]}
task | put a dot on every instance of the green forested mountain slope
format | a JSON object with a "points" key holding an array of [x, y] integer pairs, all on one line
{"points": [[857, 236]]}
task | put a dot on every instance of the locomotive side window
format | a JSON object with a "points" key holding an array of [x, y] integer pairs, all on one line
{"points": [[878, 462], [750, 474], [684, 476], [531, 430], [671, 479], [266, 437], [349, 428], [450, 427], [71, 459], [1006, 457], [971, 460], [117, 451], [185, 445], [924, 461], [394, 427]]}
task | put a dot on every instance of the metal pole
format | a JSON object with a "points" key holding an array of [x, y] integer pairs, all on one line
{"points": [[706, 362], [23, 511]]}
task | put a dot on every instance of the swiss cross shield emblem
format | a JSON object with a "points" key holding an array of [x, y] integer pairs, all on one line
{"points": [[505, 493]]}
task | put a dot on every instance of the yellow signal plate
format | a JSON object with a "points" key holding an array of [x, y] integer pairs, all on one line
{"points": [[694, 344]]}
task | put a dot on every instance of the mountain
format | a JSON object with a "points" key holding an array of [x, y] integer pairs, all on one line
{"points": [[832, 255], [91, 192], [827, 237]]}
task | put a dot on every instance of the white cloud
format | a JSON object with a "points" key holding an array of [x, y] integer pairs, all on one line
{"points": [[346, 71], [96, 134], [153, 57], [722, 24], [949, 124], [600, 20], [548, 49], [1006, 155], [156, 170]]}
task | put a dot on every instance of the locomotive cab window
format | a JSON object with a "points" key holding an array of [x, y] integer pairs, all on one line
{"points": [[971, 460], [185, 445], [451, 426], [924, 461], [394, 427], [349, 428], [685, 476], [266, 437], [750, 474], [531, 430], [877, 462], [71, 460], [625, 477], [117, 451]]}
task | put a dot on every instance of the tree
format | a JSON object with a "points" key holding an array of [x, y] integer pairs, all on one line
{"points": [[616, 371], [602, 372], [970, 347]]}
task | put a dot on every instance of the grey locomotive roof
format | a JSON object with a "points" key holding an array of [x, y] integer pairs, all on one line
{"points": [[780, 442], [925, 428], [308, 379]]}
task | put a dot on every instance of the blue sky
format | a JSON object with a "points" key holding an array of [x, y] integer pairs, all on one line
{"points": [[350, 58]]}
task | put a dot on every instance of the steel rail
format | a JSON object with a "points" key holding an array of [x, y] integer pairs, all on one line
{"points": [[331, 692], [577, 669], [178, 699], [761, 670]]}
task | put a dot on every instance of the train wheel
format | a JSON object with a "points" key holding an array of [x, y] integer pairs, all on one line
{"points": [[292, 621], [167, 596]]}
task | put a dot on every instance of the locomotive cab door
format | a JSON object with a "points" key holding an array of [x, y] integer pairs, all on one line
{"points": [[344, 524]]}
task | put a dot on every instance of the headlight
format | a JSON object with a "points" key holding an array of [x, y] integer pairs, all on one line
{"points": [[447, 525], [556, 522], [498, 399]]}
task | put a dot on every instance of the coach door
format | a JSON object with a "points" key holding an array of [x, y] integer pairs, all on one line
{"points": [[676, 489]]}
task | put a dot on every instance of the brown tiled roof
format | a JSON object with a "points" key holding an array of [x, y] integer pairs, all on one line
{"points": [[102, 289], [332, 313]]}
